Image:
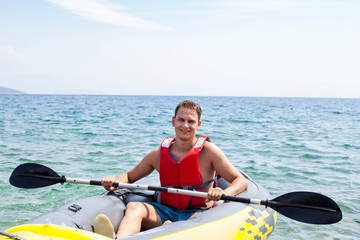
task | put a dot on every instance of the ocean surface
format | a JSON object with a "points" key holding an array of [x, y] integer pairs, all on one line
{"points": [[284, 144]]}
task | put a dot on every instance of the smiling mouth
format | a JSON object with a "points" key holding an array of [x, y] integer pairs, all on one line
{"points": [[185, 131]]}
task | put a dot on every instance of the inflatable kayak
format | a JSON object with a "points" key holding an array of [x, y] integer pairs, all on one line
{"points": [[230, 220], [234, 219]]}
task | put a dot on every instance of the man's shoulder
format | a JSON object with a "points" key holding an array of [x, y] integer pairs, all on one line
{"points": [[154, 154], [210, 147], [155, 151], [209, 144]]}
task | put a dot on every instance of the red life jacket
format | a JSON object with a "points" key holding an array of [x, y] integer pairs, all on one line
{"points": [[184, 174]]}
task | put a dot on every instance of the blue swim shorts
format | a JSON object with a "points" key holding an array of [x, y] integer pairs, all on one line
{"points": [[169, 213]]}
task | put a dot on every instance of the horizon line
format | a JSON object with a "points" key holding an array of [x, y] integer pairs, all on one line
{"points": [[164, 95]]}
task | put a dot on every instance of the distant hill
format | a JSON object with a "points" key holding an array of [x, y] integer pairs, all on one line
{"points": [[4, 90]]}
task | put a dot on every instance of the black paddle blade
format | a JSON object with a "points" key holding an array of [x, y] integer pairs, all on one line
{"points": [[33, 175], [307, 207]]}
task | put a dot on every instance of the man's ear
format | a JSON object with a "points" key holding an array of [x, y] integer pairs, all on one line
{"points": [[173, 121], [199, 123]]}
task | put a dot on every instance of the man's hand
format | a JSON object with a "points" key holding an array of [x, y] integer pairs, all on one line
{"points": [[107, 182], [215, 194]]}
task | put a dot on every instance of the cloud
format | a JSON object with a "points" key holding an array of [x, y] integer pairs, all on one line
{"points": [[106, 12], [254, 5], [8, 52]]}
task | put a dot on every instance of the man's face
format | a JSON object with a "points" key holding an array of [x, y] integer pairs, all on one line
{"points": [[186, 123]]}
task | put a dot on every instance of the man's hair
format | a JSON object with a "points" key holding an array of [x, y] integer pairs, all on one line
{"points": [[190, 105]]}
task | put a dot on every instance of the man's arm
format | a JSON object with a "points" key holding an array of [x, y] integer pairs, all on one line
{"points": [[226, 170], [142, 169]]}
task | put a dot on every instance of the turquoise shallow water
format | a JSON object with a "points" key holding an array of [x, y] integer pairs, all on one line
{"points": [[285, 144]]}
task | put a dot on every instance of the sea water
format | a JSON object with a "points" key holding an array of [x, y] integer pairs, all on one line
{"points": [[284, 144]]}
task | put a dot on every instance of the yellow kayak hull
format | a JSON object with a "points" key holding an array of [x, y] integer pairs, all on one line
{"points": [[250, 223], [51, 232]]}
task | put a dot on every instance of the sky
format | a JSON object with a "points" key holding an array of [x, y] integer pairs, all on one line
{"points": [[270, 48]]}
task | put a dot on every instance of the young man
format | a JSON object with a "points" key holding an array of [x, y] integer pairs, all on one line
{"points": [[181, 161]]}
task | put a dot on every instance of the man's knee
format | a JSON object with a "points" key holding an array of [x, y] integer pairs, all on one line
{"points": [[135, 208]]}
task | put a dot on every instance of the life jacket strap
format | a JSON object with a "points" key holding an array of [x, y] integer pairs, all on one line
{"points": [[202, 186]]}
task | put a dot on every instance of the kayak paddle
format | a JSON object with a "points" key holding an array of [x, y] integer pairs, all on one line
{"points": [[307, 207]]}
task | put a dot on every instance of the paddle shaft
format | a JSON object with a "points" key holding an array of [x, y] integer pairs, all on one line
{"points": [[307, 207], [142, 187], [163, 189], [267, 203]]}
